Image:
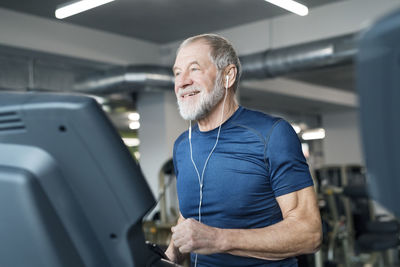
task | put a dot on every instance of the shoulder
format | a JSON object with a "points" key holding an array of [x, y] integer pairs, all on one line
{"points": [[256, 121], [282, 130], [282, 140], [180, 138], [177, 151]]}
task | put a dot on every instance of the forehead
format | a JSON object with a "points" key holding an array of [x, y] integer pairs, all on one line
{"points": [[198, 51]]}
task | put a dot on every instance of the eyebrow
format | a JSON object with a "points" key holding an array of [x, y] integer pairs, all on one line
{"points": [[191, 63]]}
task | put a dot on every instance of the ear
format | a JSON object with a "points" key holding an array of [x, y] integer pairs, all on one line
{"points": [[230, 73]]}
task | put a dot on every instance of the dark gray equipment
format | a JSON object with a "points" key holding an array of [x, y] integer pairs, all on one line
{"points": [[378, 84], [70, 192]]}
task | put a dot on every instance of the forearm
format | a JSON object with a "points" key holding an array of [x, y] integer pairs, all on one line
{"points": [[282, 240], [298, 233]]}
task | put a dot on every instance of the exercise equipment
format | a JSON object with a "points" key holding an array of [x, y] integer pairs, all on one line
{"points": [[70, 192], [353, 234], [378, 83]]}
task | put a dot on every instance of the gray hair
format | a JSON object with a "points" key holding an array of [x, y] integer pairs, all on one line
{"points": [[222, 53]]}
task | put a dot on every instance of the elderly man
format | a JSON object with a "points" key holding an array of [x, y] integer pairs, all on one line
{"points": [[245, 193]]}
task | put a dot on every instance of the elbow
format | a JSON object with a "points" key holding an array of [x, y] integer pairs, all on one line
{"points": [[312, 245], [315, 236], [313, 240], [316, 241]]}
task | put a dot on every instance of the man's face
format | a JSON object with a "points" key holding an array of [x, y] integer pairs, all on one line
{"points": [[197, 85]]}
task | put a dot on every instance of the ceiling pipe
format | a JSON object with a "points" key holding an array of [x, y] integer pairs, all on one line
{"points": [[337, 51], [325, 53], [130, 78]]}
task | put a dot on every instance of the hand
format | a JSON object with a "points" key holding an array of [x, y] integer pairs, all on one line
{"points": [[193, 236], [173, 254]]}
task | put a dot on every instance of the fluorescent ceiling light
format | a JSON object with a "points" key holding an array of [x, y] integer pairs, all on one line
{"points": [[134, 125], [131, 141], [137, 155], [306, 150], [76, 7], [134, 116], [296, 128], [291, 6], [313, 134], [106, 108]]}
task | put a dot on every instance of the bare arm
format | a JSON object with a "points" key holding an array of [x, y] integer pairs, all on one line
{"points": [[298, 233]]}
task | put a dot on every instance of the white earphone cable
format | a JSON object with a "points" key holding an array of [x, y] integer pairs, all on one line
{"points": [[201, 178]]}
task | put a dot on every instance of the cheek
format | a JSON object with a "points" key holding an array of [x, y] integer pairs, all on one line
{"points": [[211, 83], [210, 86], [176, 89], [207, 84]]}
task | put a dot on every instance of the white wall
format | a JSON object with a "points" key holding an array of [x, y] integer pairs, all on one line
{"points": [[342, 144]]}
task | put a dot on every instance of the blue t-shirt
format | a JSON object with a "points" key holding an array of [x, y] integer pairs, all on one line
{"points": [[258, 158]]}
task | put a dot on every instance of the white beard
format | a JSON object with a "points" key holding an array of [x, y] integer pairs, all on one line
{"points": [[196, 110]]}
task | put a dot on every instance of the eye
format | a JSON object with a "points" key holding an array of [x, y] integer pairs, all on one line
{"points": [[177, 73], [194, 68]]}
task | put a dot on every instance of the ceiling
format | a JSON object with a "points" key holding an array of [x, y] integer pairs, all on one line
{"points": [[161, 21]]}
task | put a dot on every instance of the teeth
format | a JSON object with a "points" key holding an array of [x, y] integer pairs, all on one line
{"points": [[192, 94]]}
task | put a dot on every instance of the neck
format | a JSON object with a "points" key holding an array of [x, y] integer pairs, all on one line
{"points": [[213, 119]]}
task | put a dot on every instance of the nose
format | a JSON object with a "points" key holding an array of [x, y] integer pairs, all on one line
{"points": [[183, 80]]}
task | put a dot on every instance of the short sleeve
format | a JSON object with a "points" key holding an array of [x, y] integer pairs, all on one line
{"points": [[176, 153], [288, 168], [174, 160]]}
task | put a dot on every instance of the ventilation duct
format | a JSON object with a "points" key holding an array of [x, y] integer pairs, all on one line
{"points": [[131, 78], [271, 63], [299, 58]]}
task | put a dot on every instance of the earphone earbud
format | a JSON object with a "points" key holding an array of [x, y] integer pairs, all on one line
{"points": [[226, 81]]}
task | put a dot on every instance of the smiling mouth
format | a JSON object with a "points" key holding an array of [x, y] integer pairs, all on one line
{"points": [[190, 94]]}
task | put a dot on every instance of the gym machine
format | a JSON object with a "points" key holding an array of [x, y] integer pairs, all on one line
{"points": [[70, 192]]}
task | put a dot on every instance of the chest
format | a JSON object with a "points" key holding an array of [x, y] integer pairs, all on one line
{"points": [[236, 181]]}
